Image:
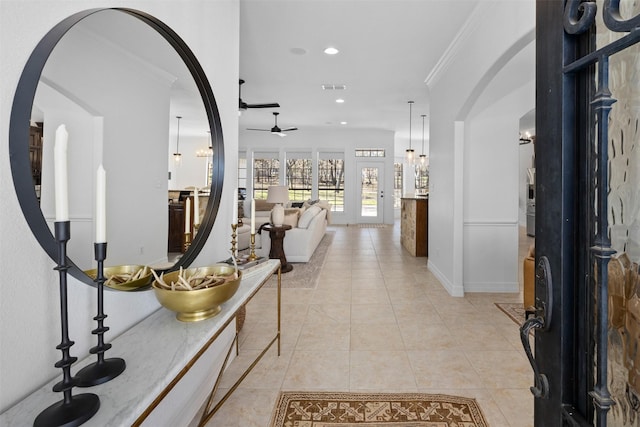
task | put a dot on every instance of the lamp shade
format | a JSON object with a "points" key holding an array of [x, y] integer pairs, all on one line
{"points": [[277, 194]]}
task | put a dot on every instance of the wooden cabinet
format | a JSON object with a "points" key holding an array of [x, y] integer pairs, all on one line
{"points": [[176, 227], [35, 152], [414, 226]]}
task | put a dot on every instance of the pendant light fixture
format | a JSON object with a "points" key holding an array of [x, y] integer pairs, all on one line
{"points": [[410, 152], [177, 156], [423, 157], [208, 152]]}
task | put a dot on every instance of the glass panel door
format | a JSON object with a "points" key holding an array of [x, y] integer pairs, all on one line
{"points": [[370, 209], [623, 200]]}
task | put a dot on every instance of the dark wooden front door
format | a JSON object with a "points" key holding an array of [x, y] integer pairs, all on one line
{"points": [[587, 325]]}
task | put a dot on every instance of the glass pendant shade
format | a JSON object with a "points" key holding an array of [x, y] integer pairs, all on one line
{"points": [[411, 156]]}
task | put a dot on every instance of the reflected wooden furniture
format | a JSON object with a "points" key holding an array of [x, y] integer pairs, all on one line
{"points": [[176, 227], [169, 365], [276, 234], [414, 225], [35, 152]]}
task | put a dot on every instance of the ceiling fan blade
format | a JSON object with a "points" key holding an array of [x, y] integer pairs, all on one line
{"points": [[271, 105], [263, 130], [280, 134], [289, 129]]}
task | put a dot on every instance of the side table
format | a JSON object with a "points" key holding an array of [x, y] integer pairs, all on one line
{"points": [[276, 233]]}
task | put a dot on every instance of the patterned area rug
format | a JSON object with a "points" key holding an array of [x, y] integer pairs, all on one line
{"points": [[305, 274], [372, 225], [322, 409], [514, 310]]}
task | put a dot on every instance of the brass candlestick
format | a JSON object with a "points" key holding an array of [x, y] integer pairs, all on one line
{"points": [[187, 240], [234, 250], [252, 255]]}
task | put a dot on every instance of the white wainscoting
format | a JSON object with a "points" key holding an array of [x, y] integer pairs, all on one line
{"points": [[491, 256]]}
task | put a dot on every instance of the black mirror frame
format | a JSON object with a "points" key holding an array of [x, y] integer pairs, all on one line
{"points": [[19, 136]]}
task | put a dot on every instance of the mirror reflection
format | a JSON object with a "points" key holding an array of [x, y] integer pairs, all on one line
{"points": [[118, 87]]}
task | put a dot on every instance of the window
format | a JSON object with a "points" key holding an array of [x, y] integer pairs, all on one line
{"points": [[331, 180], [299, 176], [422, 179], [397, 185], [266, 170], [370, 153], [242, 170]]}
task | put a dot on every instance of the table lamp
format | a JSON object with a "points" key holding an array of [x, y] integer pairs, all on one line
{"points": [[278, 194]]}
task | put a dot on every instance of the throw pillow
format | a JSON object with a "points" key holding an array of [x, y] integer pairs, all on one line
{"points": [[307, 216], [291, 218]]}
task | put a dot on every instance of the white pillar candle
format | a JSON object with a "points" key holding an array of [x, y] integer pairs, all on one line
{"points": [[253, 216], [196, 206], [187, 216], [101, 205], [60, 177], [234, 211]]}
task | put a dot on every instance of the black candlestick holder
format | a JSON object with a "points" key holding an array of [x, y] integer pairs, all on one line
{"points": [[71, 410], [104, 369]]}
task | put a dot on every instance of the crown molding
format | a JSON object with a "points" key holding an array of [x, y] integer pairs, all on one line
{"points": [[468, 28]]}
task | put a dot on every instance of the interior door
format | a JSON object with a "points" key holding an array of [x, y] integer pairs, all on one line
{"points": [[371, 194], [587, 323]]}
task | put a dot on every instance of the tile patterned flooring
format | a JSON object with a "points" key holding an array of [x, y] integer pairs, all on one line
{"points": [[380, 321]]}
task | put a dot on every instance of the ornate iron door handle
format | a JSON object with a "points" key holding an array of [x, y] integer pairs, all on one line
{"points": [[541, 321]]}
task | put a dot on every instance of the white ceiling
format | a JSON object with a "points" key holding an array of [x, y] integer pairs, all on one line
{"points": [[387, 50]]}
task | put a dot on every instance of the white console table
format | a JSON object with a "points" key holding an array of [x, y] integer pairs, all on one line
{"points": [[159, 352]]}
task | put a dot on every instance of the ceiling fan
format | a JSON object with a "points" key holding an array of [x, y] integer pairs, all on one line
{"points": [[275, 129], [243, 105]]}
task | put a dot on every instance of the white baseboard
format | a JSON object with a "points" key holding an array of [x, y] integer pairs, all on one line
{"points": [[505, 287], [446, 284]]}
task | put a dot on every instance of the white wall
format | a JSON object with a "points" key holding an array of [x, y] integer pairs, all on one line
{"points": [[491, 194], [343, 140], [526, 162], [29, 312], [494, 34]]}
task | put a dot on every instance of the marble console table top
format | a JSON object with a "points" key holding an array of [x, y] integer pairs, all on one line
{"points": [[155, 351]]}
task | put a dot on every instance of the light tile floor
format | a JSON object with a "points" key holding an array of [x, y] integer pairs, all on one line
{"points": [[379, 320]]}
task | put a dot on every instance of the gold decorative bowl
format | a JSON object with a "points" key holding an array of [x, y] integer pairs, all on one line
{"points": [[200, 304], [131, 285]]}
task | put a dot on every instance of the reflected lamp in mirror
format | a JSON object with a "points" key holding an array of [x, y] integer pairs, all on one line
{"points": [[278, 194]]}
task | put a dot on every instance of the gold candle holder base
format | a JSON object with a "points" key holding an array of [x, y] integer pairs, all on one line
{"points": [[252, 255], [187, 241], [234, 250]]}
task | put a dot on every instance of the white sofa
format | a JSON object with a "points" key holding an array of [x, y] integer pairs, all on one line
{"points": [[299, 243]]}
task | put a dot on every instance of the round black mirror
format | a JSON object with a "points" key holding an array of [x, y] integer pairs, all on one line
{"points": [[138, 203]]}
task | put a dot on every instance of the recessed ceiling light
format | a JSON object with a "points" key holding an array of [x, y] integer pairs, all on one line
{"points": [[340, 100], [343, 123], [298, 50], [331, 51]]}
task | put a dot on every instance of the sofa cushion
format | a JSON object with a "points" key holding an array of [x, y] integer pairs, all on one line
{"points": [[291, 217], [307, 216]]}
